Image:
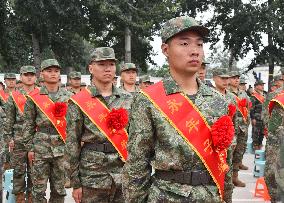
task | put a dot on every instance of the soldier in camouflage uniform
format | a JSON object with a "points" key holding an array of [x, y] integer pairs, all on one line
{"points": [[274, 143], [128, 74], [10, 81], [155, 144], [75, 82], [145, 81], [256, 115], [95, 165], [279, 172], [241, 131], [45, 146], [2, 143], [13, 135], [243, 83], [202, 74]]}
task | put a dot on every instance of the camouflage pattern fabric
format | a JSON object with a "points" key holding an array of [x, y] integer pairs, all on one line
{"points": [[48, 149], [102, 53], [89, 168], [155, 144], [258, 129], [48, 63], [279, 172], [2, 143], [272, 149], [13, 131], [128, 66], [241, 132]]}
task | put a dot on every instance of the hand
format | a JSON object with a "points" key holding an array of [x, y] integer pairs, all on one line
{"points": [[77, 195], [6, 166], [31, 157], [11, 145], [253, 122]]}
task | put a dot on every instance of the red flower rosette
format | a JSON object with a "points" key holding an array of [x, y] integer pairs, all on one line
{"points": [[243, 102], [231, 110], [222, 132], [117, 119], [59, 109]]}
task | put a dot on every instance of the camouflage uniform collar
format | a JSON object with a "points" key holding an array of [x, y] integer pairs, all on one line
{"points": [[43, 90], [171, 87], [95, 92]]}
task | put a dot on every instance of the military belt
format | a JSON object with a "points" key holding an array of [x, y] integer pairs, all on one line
{"points": [[105, 147], [194, 178], [47, 130]]}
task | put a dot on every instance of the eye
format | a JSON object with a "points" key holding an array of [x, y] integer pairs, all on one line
{"points": [[184, 44], [200, 44]]}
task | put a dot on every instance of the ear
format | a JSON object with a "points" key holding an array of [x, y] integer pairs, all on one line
{"points": [[165, 49], [91, 68]]}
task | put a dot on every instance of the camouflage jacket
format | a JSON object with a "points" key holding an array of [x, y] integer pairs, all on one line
{"points": [[43, 144], [89, 167], [275, 141], [2, 141], [239, 120], [137, 89], [256, 109], [154, 143], [14, 121]]}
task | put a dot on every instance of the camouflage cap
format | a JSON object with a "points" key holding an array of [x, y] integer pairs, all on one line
{"points": [[75, 74], [18, 82], [128, 66], [180, 24], [259, 82], [145, 78], [27, 69], [221, 72], [277, 77], [243, 80], [102, 54], [83, 84], [234, 73], [48, 63], [40, 79], [9, 76]]}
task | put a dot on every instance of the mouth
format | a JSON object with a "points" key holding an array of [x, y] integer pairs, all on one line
{"points": [[194, 62]]}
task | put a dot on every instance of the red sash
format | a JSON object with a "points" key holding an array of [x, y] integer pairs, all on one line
{"points": [[44, 103], [242, 109], [4, 95], [21, 99], [188, 121], [97, 112], [278, 99], [258, 96]]}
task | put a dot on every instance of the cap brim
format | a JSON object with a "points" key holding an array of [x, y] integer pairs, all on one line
{"points": [[28, 72], [129, 69]]}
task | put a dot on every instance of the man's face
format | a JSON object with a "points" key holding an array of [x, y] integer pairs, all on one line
{"points": [[201, 74], [145, 85], [273, 88], [103, 71], [51, 75], [75, 82], [220, 82], [259, 87], [243, 87], [10, 83], [184, 52], [129, 76], [235, 81], [279, 83], [28, 79]]}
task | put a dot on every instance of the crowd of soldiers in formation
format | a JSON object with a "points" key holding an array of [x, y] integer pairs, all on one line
{"points": [[78, 136]]}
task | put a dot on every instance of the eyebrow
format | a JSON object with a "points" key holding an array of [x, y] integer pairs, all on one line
{"points": [[187, 38]]}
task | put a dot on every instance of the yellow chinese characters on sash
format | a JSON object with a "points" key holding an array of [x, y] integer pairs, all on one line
{"points": [[279, 99], [4, 95], [44, 103], [258, 96], [97, 112], [185, 117], [21, 99], [242, 109]]}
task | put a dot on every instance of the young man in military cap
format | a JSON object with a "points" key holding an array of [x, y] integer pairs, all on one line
{"points": [[173, 112], [242, 121], [128, 74], [257, 99], [274, 150], [145, 81], [75, 82], [243, 83], [44, 134], [202, 74], [96, 165], [2, 146], [14, 108]]}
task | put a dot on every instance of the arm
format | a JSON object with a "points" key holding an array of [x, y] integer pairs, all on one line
{"points": [[10, 109], [73, 142], [137, 170]]}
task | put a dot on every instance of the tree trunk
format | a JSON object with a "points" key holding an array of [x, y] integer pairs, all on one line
{"points": [[231, 59], [270, 55], [36, 52], [127, 45]]}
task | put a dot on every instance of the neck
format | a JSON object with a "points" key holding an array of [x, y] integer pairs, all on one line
{"points": [[235, 89], [10, 89], [76, 89], [28, 88], [105, 89], [128, 87], [187, 83], [51, 87], [222, 91]]}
